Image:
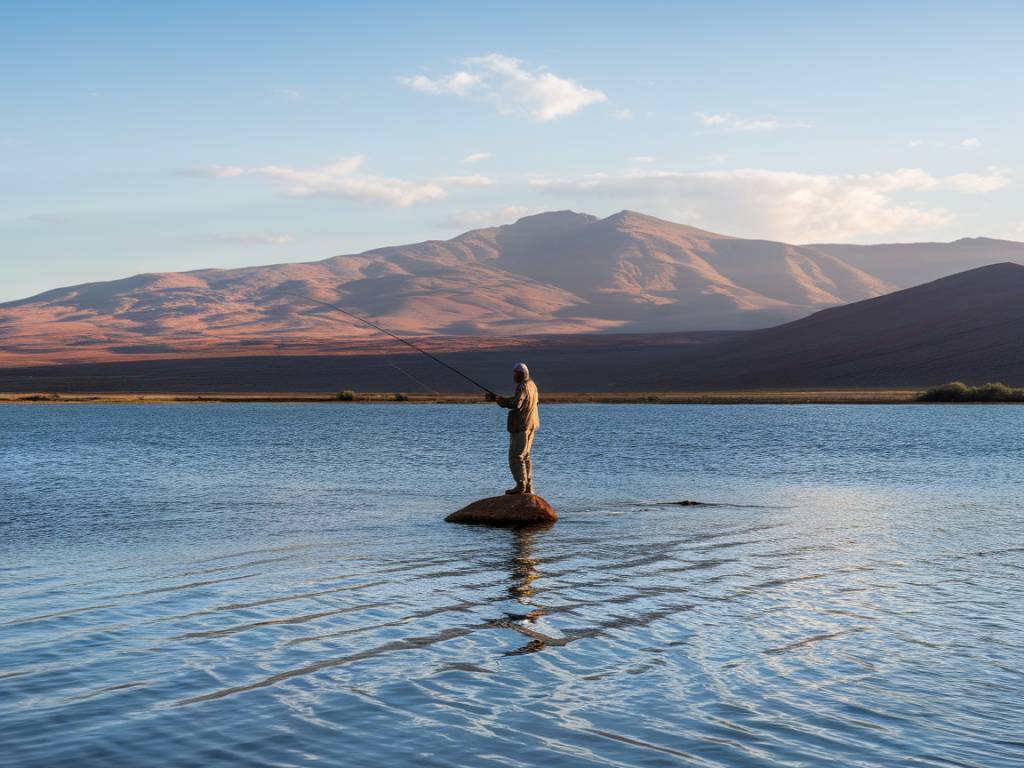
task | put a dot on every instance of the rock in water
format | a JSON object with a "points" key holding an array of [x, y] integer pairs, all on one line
{"points": [[513, 510]]}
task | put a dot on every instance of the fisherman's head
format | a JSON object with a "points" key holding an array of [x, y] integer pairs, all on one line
{"points": [[520, 373]]}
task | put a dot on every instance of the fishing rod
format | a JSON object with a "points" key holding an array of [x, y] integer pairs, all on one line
{"points": [[396, 337]]}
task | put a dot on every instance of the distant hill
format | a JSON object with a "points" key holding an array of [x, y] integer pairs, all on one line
{"points": [[908, 264], [558, 273], [966, 326], [553, 273], [597, 362]]}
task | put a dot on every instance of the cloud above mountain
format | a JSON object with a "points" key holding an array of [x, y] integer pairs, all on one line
{"points": [[787, 205], [510, 87], [491, 217], [345, 178], [731, 122]]}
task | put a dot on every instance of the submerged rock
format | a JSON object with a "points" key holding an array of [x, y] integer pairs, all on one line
{"points": [[513, 511]]}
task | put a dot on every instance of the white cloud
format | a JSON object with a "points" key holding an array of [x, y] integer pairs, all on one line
{"points": [[214, 171], [623, 114], [512, 88], [290, 94], [712, 119], [731, 122], [791, 206], [505, 214], [969, 143], [642, 159], [342, 178], [978, 182], [460, 83], [255, 239], [476, 157], [469, 180]]}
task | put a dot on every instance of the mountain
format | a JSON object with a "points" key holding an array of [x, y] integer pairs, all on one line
{"points": [[552, 273], [639, 273], [908, 264], [965, 326]]}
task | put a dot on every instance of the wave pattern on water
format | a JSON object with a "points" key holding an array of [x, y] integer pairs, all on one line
{"points": [[835, 609]]}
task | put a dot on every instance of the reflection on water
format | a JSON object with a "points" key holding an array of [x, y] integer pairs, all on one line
{"points": [[523, 565], [273, 585], [524, 572]]}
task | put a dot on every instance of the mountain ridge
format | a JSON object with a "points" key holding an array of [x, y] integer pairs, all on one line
{"points": [[558, 272], [908, 264], [961, 326]]}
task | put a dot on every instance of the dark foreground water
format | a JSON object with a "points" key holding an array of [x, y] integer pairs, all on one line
{"points": [[273, 585]]}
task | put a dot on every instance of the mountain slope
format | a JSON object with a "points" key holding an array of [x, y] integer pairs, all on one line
{"points": [[654, 275], [966, 326], [908, 264], [559, 272]]}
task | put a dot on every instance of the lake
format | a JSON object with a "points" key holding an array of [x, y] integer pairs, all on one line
{"points": [[273, 585]]}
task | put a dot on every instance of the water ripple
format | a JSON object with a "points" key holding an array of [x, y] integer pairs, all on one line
{"points": [[293, 608]]}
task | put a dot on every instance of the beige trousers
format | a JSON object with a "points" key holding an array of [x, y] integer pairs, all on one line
{"points": [[519, 445]]}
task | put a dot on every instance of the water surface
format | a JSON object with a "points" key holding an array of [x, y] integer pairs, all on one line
{"points": [[273, 585]]}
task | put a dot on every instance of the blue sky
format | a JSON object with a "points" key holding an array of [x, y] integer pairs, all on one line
{"points": [[141, 137]]}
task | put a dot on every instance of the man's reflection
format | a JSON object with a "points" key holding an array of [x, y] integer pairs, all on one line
{"points": [[523, 567]]}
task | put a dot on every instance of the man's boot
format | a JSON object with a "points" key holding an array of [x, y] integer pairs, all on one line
{"points": [[528, 488], [520, 488]]}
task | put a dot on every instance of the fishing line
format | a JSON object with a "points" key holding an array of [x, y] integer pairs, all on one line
{"points": [[396, 337], [237, 340], [240, 340], [401, 370]]}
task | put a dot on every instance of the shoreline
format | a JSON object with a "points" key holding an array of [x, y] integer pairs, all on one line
{"points": [[849, 396]]}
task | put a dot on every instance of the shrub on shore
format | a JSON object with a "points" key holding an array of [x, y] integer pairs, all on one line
{"points": [[347, 396], [958, 392], [401, 397]]}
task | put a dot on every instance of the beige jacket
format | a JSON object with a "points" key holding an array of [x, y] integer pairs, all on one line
{"points": [[523, 413]]}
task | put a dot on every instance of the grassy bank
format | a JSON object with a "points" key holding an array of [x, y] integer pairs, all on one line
{"points": [[958, 392]]}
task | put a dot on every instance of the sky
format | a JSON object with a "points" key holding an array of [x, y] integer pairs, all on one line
{"points": [[151, 137]]}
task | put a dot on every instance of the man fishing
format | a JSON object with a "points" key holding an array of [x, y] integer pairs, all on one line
{"points": [[523, 418], [523, 421]]}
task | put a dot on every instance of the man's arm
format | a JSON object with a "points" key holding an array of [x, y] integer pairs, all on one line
{"points": [[516, 401]]}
